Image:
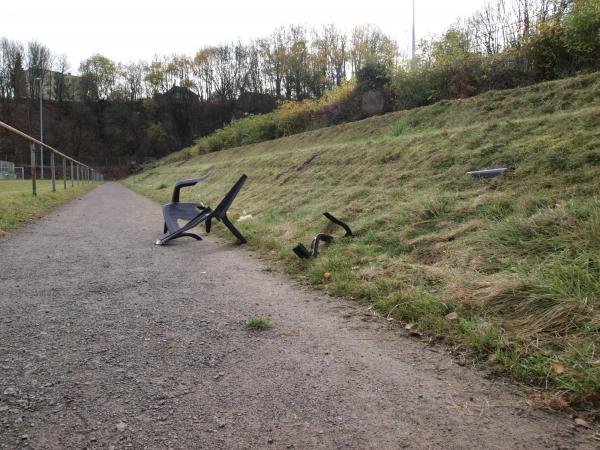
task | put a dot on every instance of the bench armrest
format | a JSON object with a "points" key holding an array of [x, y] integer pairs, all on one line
{"points": [[185, 183]]}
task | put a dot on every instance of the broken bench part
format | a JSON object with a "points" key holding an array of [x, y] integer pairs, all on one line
{"points": [[489, 173], [302, 252], [173, 211], [340, 223]]}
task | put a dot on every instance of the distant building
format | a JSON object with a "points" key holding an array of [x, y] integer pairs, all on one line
{"points": [[181, 94], [71, 89]]}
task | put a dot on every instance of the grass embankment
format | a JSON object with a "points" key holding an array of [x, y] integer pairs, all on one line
{"points": [[516, 258], [18, 205]]}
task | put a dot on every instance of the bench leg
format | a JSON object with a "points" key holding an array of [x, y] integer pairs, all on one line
{"points": [[241, 239]]}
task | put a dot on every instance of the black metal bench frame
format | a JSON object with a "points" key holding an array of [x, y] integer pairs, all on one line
{"points": [[197, 213]]}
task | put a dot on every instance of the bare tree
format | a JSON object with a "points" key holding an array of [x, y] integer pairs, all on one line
{"points": [[371, 45], [12, 76], [133, 75], [98, 77], [61, 68], [39, 63]]}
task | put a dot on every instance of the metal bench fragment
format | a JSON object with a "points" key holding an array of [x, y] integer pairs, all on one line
{"points": [[196, 213], [302, 252], [489, 173]]}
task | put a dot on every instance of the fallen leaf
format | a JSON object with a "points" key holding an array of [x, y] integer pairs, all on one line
{"points": [[558, 402], [558, 368], [412, 330], [492, 358], [582, 422], [327, 275], [592, 398], [452, 316]]}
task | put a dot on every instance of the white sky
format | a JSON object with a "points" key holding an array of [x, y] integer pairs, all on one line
{"points": [[126, 30]]}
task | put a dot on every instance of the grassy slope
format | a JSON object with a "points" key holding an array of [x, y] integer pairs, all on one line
{"points": [[18, 206], [516, 257]]}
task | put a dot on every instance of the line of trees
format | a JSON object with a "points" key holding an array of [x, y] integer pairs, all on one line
{"points": [[297, 63], [292, 63]]}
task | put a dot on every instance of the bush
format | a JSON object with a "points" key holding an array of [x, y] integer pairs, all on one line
{"points": [[582, 33], [373, 76], [290, 118], [547, 51]]}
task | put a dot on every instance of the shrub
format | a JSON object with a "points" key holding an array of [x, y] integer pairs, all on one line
{"points": [[582, 33], [290, 118], [373, 76]]}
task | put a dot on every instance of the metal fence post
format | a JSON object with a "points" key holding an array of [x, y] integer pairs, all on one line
{"points": [[33, 186], [78, 174], [64, 173], [72, 182], [53, 171]]}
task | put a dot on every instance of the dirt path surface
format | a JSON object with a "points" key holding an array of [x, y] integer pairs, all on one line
{"points": [[108, 341]]}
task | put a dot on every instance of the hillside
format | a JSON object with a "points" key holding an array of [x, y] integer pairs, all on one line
{"points": [[517, 257]]}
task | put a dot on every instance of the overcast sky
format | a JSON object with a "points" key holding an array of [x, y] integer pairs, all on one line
{"points": [[126, 30]]}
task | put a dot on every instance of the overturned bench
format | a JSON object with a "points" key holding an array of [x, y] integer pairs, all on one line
{"points": [[196, 213]]}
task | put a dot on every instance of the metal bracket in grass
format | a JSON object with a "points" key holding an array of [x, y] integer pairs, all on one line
{"points": [[490, 173], [302, 252]]}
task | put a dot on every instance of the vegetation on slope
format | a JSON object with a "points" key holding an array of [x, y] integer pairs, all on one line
{"points": [[516, 258], [18, 205], [485, 52]]}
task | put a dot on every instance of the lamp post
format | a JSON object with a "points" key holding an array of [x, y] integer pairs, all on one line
{"points": [[39, 80], [414, 44]]}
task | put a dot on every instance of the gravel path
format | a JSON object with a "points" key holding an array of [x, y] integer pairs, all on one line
{"points": [[108, 341]]}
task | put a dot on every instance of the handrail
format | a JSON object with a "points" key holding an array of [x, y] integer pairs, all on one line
{"points": [[32, 139], [85, 173]]}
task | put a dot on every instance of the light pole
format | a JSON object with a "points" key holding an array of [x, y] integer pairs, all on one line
{"points": [[39, 80], [414, 45]]}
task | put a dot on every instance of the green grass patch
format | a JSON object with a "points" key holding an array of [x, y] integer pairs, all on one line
{"points": [[257, 324], [18, 205], [515, 257]]}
